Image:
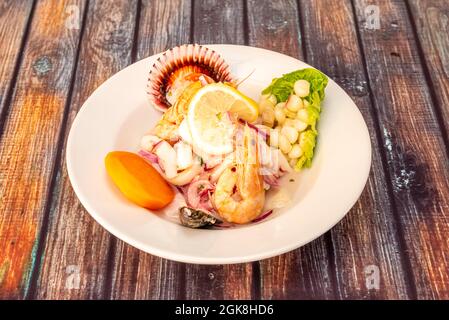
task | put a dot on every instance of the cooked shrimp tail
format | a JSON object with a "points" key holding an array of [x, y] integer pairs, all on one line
{"points": [[239, 194]]}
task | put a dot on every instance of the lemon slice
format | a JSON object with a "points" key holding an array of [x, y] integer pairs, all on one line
{"points": [[210, 126]]}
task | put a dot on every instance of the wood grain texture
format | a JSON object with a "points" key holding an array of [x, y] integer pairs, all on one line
{"points": [[274, 25], [164, 24], [431, 19], [75, 257], [19, 11], [216, 21], [399, 82], [368, 235], [29, 145], [136, 274], [304, 273], [418, 167]]}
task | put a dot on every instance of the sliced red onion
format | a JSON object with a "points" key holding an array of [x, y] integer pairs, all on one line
{"points": [[206, 191], [223, 225], [157, 144], [182, 189], [206, 206], [263, 216], [149, 156], [193, 195], [272, 180], [265, 135]]}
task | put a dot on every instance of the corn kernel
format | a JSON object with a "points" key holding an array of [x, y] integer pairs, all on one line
{"points": [[303, 115], [274, 138], [279, 114], [299, 125], [290, 114], [264, 105], [294, 103], [288, 122], [280, 105], [268, 117], [302, 88], [284, 145], [290, 133], [295, 152], [272, 99], [293, 162]]}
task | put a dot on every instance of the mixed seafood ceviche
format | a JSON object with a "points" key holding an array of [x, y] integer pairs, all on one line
{"points": [[216, 157]]}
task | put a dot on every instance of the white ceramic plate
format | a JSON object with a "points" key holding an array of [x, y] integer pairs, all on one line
{"points": [[118, 113]]}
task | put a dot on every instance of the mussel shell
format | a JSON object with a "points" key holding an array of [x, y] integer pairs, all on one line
{"points": [[199, 58], [194, 218]]}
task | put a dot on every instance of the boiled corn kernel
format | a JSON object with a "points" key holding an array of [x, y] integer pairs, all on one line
{"points": [[284, 145], [299, 125], [292, 162], [268, 117], [302, 88], [295, 152], [290, 114], [290, 133], [280, 105], [294, 103], [264, 105], [269, 97], [303, 115], [274, 138], [279, 114]]}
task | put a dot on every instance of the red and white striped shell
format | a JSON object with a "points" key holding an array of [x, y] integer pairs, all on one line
{"points": [[179, 63]]}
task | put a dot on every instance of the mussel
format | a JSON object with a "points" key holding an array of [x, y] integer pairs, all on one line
{"points": [[194, 218]]}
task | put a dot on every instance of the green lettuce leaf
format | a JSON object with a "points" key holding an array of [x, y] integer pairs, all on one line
{"points": [[307, 142], [282, 88]]}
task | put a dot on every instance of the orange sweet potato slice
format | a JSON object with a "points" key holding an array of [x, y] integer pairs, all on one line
{"points": [[138, 180]]}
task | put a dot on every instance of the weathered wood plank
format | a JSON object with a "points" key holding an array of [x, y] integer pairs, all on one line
{"points": [[304, 273], [431, 19], [218, 22], [368, 235], [29, 144], [219, 282], [19, 11], [139, 275], [417, 165], [75, 257], [136, 274], [275, 26], [163, 25]]}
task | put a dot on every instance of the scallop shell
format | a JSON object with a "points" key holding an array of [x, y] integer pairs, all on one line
{"points": [[180, 61]]}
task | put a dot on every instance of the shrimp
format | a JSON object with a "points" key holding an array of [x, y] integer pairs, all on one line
{"points": [[239, 194]]}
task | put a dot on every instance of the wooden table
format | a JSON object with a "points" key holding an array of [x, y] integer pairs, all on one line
{"points": [[392, 58]]}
